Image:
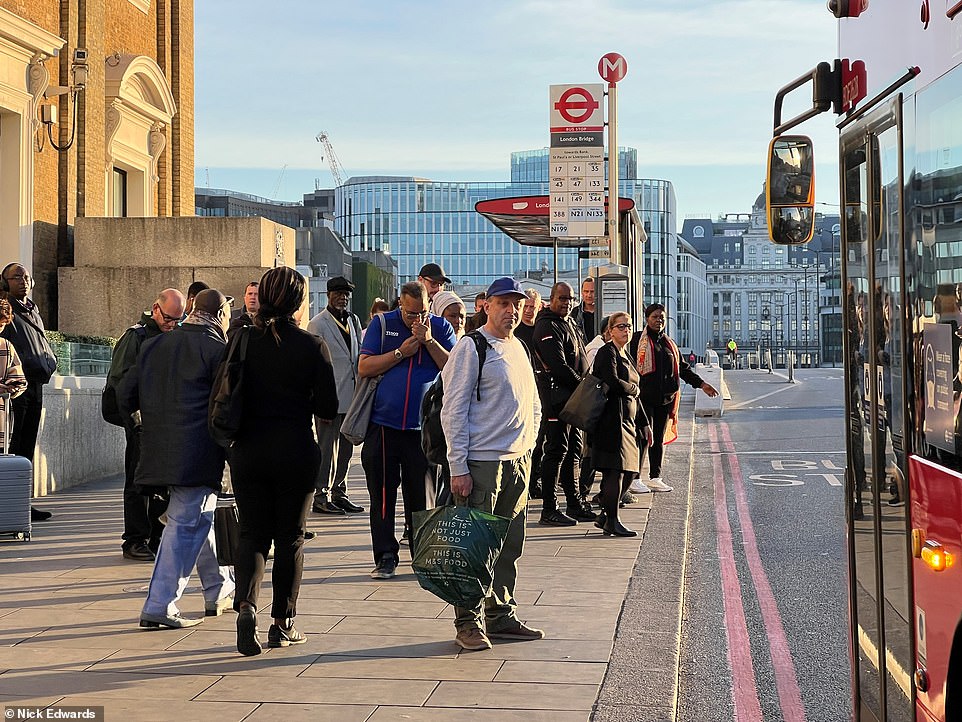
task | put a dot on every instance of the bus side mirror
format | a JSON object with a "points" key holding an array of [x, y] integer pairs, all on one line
{"points": [[790, 190]]}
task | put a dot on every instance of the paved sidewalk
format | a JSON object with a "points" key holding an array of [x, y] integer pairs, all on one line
{"points": [[377, 650]]}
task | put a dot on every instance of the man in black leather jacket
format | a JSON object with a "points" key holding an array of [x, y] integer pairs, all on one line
{"points": [[560, 362]]}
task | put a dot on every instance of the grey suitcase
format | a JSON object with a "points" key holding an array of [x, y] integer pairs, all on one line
{"points": [[16, 483]]}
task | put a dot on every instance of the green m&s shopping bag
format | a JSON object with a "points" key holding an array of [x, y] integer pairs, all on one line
{"points": [[455, 549]]}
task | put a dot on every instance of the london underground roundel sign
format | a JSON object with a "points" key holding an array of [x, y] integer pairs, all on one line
{"points": [[612, 67]]}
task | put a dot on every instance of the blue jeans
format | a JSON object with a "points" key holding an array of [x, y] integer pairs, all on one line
{"points": [[188, 540]]}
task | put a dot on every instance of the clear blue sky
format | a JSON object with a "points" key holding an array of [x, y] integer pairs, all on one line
{"points": [[447, 90]]}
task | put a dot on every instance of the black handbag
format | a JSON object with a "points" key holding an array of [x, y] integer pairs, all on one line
{"points": [[226, 531], [226, 408], [586, 404]]}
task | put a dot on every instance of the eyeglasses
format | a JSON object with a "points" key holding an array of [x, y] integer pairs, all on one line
{"points": [[23, 277], [169, 319], [622, 326], [415, 314]]}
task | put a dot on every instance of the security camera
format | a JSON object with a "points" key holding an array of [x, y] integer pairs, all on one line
{"points": [[80, 55]]}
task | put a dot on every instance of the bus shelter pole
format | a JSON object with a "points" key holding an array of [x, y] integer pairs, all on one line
{"points": [[554, 246]]}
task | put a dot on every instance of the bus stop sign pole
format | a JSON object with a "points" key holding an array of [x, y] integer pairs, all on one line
{"points": [[613, 67]]}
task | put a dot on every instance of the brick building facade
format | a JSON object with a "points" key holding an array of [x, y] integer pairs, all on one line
{"points": [[129, 128]]}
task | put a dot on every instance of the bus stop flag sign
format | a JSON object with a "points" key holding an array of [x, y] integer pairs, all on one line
{"points": [[577, 160], [612, 67]]}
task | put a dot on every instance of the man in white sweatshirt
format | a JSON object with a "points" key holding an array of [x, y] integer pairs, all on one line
{"points": [[490, 429]]}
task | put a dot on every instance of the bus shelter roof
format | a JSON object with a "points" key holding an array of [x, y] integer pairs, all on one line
{"points": [[525, 219]]}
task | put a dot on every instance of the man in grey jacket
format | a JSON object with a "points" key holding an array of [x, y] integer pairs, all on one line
{"points": [[341, 330], [490, 429]]}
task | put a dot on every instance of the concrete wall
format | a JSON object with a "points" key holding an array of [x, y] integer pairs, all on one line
{"points": [[76, 445], [121, 264]]}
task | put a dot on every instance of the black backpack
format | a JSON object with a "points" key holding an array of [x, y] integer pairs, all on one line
{"points": [[433, 443]]}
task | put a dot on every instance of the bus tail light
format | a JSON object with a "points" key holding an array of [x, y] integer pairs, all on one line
{"points": [[936, 557]]}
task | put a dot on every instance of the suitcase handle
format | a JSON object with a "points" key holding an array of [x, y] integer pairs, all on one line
{"points": [[8, 431]]}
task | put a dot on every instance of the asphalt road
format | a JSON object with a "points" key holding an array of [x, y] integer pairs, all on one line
{"points": [[750, 588]]}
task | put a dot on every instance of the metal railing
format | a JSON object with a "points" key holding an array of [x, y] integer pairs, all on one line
{"points": [[82, 359]]}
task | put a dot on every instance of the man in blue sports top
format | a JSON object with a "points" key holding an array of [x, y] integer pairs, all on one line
{"points": [[409, 351]]}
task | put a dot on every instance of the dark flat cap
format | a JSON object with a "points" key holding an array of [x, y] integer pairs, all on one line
{"points": [[339, 283]]}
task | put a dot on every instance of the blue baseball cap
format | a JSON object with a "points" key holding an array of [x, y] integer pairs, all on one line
{"points": [[504, 287]]}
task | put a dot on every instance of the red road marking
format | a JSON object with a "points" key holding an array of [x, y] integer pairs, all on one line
{"points": [[786, 680], [744, 687]]}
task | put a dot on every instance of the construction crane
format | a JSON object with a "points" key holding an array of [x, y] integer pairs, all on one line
{"points": [[332, 160], [277, 184]]}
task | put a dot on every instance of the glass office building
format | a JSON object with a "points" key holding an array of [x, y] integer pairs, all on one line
{"points": [[419, 221]]}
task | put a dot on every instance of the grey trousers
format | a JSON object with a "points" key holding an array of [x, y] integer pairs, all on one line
{"points": [[336, 453], [500, 487]]}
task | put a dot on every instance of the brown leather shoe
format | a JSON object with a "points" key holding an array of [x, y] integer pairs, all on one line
{"points": [[517, 630], [472, 640]]}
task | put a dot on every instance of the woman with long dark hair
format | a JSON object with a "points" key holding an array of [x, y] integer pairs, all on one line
{"points": [[662, 369], [288, 379]]}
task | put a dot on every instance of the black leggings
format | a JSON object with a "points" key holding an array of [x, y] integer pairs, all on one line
{"points": [[614, 483], [658, 418], [273, 479]]}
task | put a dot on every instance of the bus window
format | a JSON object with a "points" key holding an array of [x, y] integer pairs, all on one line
{"points": [[889, 461], [862, 494]]}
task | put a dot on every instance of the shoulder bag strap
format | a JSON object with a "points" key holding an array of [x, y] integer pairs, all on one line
{"points": [[382, 320]]}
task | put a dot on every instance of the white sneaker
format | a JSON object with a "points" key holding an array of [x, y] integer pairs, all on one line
{"points": [[658, 485], [638, 487]]}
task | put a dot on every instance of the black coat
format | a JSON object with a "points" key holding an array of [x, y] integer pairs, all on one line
{"points": [[615, 443], [561, 360], [170, 385], [26, 333], [660, 386], [286, 385]]}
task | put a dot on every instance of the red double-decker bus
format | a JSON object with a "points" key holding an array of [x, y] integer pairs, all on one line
{"points": [[897, 90]]}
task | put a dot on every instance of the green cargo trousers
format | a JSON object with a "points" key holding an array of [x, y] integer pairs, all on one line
{"points": [[500, 487]]}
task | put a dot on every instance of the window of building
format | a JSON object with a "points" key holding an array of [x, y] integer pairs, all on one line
{"points": [[139, 105], [119, 189]]}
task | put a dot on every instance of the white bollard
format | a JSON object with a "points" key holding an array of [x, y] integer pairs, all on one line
{"points": [[704, 405]]}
